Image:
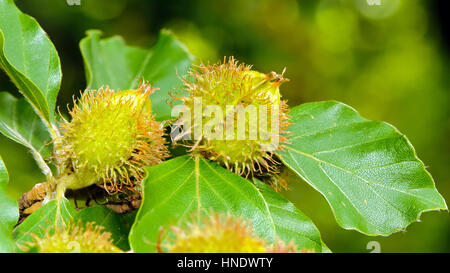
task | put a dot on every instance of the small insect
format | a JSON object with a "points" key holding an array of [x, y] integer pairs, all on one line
{"points": [[122, 202], [32, 200], [277, 78], [126, 204]]}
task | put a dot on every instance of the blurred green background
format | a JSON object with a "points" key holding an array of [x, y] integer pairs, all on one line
{"points": [[390, 62]]}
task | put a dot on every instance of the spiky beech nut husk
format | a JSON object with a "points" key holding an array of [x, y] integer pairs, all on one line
{"points": [[75, 237], [220, 233], [227, 85], [110, 138]]}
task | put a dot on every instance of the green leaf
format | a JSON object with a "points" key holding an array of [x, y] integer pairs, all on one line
{"points": [[19, 122], [29, 58], [42, 220], [367, 170], [9, 213], [111, 62], [179, 187], [290, 223], [113, 222]]}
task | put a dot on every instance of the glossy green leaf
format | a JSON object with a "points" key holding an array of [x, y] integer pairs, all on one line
{"points": [[42, 220], [367, 170], [29, 58], [19, 122], [9, 213], [112, 222], [181, 187], [290, 223], [111, 62]]}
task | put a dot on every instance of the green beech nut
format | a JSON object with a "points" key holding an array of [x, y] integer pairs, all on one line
{"points": [[229, 85], [109, 139], [74, 238], [219, 233]]}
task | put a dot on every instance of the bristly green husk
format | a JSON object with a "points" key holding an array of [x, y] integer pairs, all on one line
{"points": [[110, 138], [219, 233], [74, 238], [230, 83]]}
